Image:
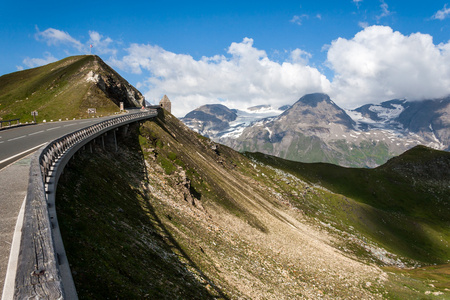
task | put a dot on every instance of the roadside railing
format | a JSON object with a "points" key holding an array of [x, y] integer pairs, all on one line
{"points": [[9, 122], [59, 146], [43, 270]]}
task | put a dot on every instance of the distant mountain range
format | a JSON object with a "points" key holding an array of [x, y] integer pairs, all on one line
{"points": [[315, 129]]}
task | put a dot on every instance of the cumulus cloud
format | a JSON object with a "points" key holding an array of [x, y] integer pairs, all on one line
{"points": [[37, 62], [101, 44], [381, 64], [244, 77], [442, 14], [56, 37]]}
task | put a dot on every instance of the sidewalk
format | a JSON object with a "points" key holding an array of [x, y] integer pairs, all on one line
{"points": [[13, 188]]}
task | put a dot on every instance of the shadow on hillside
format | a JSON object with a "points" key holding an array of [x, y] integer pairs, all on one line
{"points": [[117, 245]]}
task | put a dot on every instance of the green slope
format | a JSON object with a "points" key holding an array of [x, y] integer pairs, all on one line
{"points": [[404, 205], [173, 215], [58, 90]]}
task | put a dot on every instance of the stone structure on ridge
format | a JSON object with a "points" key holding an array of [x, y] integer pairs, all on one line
{"points": [[165, 103]]}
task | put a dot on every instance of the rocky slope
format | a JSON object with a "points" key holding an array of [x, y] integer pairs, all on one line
{"points": [[210, 119], [315, 129], [173, 215], [65, 89], [217, 121], [429, 119]]}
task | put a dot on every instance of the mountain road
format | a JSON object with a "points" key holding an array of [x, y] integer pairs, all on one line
{"points": [[16, 144]]}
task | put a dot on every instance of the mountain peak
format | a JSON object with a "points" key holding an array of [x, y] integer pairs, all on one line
{"points": [[317, 109], [314, 99], [66, 89]]}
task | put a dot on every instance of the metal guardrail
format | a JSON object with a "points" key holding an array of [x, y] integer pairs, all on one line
{"points": [[43, 271], [56, 148], [8, 121]]}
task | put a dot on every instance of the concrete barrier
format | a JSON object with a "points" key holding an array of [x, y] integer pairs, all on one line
{"points": [[43, 270]]}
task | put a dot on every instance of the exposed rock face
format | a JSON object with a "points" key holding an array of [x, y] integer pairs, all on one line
{"points": [[317, 112], [114, 86], [314, 129], [430, 118], [210, 119]]}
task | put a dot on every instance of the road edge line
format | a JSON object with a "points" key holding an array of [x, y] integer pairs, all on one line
{"points": [[21, 153], [11, 270]]}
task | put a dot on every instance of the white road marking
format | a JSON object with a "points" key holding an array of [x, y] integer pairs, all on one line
{"points": [[53, 128], [8, 290], [70, 125], [36, 132], [14, 156], [16, 138]]}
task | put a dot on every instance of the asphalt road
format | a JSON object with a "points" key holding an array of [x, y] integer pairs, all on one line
{"points": [[15, 145], [13, 189], [18, 142]]}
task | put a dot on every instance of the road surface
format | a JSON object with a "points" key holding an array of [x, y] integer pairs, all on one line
{"points": [[18, 142], [16, 145]]}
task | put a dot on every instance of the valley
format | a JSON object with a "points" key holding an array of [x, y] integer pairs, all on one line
{"points": [[205, 220]]}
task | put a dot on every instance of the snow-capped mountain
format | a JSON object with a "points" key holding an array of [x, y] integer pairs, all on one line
{"points": [[216, 121], [315, 129]]}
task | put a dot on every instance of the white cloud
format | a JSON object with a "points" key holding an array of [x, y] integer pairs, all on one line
{"points": [[55, 37], [298, 56], [442, 14], [243, 78], [384, 10], [101, 45], [380, 64], [363, 24], [299, 19], [37, 62]]}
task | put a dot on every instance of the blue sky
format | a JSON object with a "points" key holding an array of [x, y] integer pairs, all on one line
{"points": [[243, 53]]}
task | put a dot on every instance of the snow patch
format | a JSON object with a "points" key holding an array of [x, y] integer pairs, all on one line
{"points": [[387, 114]]}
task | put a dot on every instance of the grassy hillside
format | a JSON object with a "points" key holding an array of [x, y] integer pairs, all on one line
{"points": [[304, 148], [64, 89], [173, 215], [404, 205]]}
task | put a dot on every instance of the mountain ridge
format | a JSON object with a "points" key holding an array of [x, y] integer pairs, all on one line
{"points": [[65, 89], [315, 129]]}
